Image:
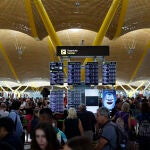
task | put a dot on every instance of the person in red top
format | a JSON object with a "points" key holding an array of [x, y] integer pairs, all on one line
{"points": [[28, 117]]}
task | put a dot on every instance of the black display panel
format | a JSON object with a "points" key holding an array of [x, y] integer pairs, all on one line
{"points": [[56, 73], [91, 73], [82, 51], [57, 101], [109, 73], [74, 99], [74, 73], [91, 100]]}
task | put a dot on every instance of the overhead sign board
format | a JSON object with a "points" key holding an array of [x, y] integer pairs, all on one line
{"points": [[82, 50]]}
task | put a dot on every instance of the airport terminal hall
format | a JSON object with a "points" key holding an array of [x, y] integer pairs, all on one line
{"points": [[74, 74]]}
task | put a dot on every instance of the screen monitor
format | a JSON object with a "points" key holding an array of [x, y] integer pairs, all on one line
{"points": [[74, 73], [56, 73], [91, 100], [91, 73], [109, 73], [108, 98]]}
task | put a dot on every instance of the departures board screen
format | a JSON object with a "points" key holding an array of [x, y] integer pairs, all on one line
{"points": [[56, 73], [74, 73], [109, 73], [91, 73]]}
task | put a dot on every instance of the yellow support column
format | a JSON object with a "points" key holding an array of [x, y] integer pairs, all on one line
{"points": [[47, 23], [106, 22], [122, 87], [16, 90], [31, 18], [50, 29], [103, 29], [139, 86], [121, 18], [140, 61], [8, 61], [24, 90], [8, 86], [52, 50], [130, 87]]}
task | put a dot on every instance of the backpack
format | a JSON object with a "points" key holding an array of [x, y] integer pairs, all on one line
{"points": [[120, 122], [144, 128], [61, 137], [122, 138]]}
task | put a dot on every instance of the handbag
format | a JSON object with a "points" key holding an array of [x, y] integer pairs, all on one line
{"points": [[133, 121]]}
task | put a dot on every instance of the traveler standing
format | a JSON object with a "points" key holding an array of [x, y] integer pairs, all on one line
{"points": [[14, 115], [72, 125], [108, 136], [7, 136], [88, 121]]}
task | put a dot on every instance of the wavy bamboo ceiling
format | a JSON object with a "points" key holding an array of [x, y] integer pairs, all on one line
{"points": [[32, 62]]}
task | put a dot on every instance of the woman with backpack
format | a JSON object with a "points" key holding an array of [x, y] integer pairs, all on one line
{"points": [[123, 119]]}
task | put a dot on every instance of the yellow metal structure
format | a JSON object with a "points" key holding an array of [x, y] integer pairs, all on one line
{"points": [[103, 29], [122, 87], [53, 40], [47, 23], [18, 88], [24, 90], [106, 23], [52, 50], [2, 88], [8, 86], [147, 86], [139, 86], [130, 87], [31, 18], [121, 17], [140, 61], [8, 61]]}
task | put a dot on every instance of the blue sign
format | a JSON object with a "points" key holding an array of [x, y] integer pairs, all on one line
{"points": [[109, 98]]}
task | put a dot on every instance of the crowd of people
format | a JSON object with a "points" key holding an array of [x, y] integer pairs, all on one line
{"points": [[74, 129]]}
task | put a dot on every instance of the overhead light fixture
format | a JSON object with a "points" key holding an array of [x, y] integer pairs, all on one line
{"points": [[19, 47], [77, 4]]}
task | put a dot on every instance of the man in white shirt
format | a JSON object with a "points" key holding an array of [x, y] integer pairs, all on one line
{"points": [[3, 112]]}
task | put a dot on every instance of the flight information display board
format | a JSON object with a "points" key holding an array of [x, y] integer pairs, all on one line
{"points": [[57, 101], [74, 73], [56, 73], [109, 73], [74, 99], [91, 73]]}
